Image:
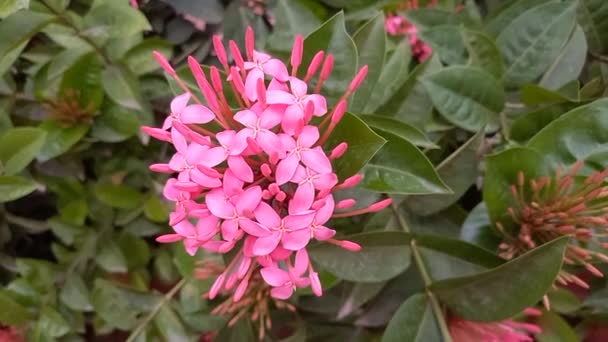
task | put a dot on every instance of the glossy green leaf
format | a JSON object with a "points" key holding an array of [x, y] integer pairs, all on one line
{"points": [[9, 7], [12, 312], [468, 97], [358, 294], [51, 323], [16, 30], [65, 60], [122, 87], [580, 134], [477, 229], [565, 301], [363, 143], [532, 41], [333, 39], [118, 196], [74, 212], [446, 41], [569, 64], [499, 19], [139, 59], [413, 321], [14, 187], [400, 129], [18, 147], [429, 17], [75, 294], [459, 171], [59, 139], [502, 171], [528, 124], [110, 258], [156, 210], [555, 328], [507, 289], [593, 17], [118, 19], [383, 256], [370, 40], [394, 73], [483, 52], [400, 168], [292, 18]]}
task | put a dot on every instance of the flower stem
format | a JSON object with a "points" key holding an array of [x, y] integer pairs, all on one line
{"points": [[144, 323], [443, 327]]}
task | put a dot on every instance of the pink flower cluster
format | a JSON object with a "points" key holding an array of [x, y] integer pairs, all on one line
{"points": [[397, 25], [504, 331], [263, 182]]}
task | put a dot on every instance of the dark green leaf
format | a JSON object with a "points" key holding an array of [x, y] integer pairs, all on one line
{"points": [[401, 168], [362, 142], [528, 124], [170, 326], [564, 301], [75, 294], [593, 17], [400, 129], [110, 258], [483, 52], [447, 42], [139, 59], [468, 97], [555, 328], [240, 332], [507, 289], [18, 147], [122, 87], [82, 82], [118, 196], [59, 139], [394, 73], [210, 11], [17, 29], [533, 95], [532, 41], [333, 39], [117, 18], [383, 256], [359, 294], [413, 321], [502, 17], [65, 60], [569, 64], [477, 229], [135, 250], [110, 304], [115, 124], [12, 312], [459, 171], [14, 187], [370, 40], [292, 18]]}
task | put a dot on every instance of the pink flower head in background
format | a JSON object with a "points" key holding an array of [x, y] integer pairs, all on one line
{"points": [[264, 182], [462, 330], [397, 25]]}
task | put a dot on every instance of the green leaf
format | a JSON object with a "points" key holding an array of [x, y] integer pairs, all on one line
{"points": [[428, 17], [447, 42], [468, 97], [358, 294], [112, 305], [155, 210], [383, 256], [118, 196], [459, 171], [9, 7], [82, 81], [18, 28], [170, 326], [115, 124], [292, 18], [12, 312], [507, 289], [555, 328], [569, 64], [413, 321], [333, 39], [477, 229], [502, 171], [593, 17], [210, 11], [75, 294], [363, 143], [51, 323], [139, 59], [528, 124], [534, 95], [18, 147], [135, 250], [241, 331], [59, 139], [483, 52], [564, 301], [65, 60], [580, 134], [400, 129], [532, 41], [370, 40], [118, 19], [122, 87], [503, 16], [400, 168], [110, 258], [14, 187], [394, 73], [74, 212]]}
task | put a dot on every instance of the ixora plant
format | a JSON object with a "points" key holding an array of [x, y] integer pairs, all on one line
{"points": [[300, 170]]}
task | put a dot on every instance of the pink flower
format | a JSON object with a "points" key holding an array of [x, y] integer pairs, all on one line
{"points": [[503, 331], [397, 25], [259, 178]]}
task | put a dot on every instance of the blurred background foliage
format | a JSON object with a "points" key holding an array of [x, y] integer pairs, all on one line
{"points": [[80, 208]]}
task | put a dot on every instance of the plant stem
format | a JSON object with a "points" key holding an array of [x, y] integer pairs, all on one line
{"points": [[167, 297], [598, 57], [443, 327], [32, 226]]}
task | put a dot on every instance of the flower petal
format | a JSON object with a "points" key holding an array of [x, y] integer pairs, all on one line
{"points": [[286, 169], [248, 201], [282, 292], [196, 113], [276, 69], [218, 204], [253, 228], [179, 103], [274, 276], [316, 160], [265, 245], [240, 168], [296, 240], [267, 216], [308, 136]]}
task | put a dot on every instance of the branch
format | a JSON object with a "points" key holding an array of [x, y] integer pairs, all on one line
{"points": [[443, 327]]}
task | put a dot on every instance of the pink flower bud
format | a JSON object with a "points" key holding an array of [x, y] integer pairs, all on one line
{"points": [[217, 286], [157, 133], [249, 42], [315, 283], [203, 84], [281, 196], [161, 168], [346, 203], [169, 238], [231, 281], [216, 80], [350, 246], [314, 64], [243, 267], [338, 151], [261, 92], [380, 205], [274, 188], [353, 180], [164, 63], [236, 54], [220, 51], [296, 54], [328, 65], [266, 171], [240, 290], [339, 111], [356, 82]]}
